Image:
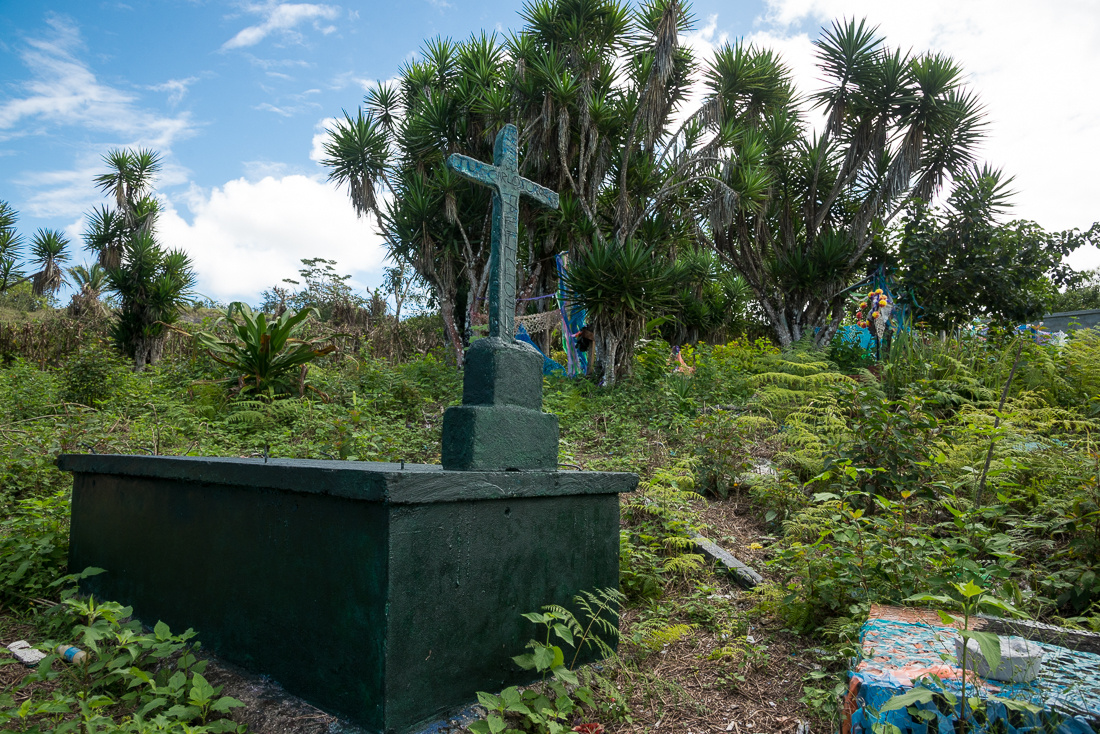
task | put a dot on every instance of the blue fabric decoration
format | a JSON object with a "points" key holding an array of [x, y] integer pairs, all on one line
{"points": [[549, 366]]}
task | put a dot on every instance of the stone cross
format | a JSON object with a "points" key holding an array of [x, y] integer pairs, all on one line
{"points": [[503, 177]]}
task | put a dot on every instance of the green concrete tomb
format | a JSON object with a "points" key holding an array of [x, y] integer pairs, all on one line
{"points": [[384, 594]]}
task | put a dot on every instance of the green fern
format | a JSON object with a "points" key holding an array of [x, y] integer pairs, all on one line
{"points": [[658, 638], [684, 564]]}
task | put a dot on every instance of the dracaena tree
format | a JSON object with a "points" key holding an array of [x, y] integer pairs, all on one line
{"points": [[48, 253], [10, 245], [48, 250], [90, 281], [593, 88], [451, 100], [152, 284], [597, 90], [800, 210]]}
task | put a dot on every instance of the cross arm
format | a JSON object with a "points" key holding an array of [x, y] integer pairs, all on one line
{"points": [[474, 169], [541, 194]]}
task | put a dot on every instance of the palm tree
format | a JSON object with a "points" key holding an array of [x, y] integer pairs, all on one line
{"points": [[105, 234], [129, 183], [799, 212], [358, 153], [10, 245], [129, 180], [48, 249], [596, 136], [152, 286], [434, 223], [90, 281]]}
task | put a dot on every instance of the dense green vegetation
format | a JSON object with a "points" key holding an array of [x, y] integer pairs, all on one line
{"points": [[880, 489], [961, 457]]}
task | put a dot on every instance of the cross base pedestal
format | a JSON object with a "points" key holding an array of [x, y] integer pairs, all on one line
{"points": [[499, 438], [500, 425]]}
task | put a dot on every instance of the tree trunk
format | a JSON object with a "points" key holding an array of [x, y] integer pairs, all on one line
{"points": [[447, 311], [613, 349], [148, 351]]}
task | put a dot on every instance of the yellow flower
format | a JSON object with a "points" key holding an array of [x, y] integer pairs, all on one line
{"points": [[879, 291], [874, 315]]}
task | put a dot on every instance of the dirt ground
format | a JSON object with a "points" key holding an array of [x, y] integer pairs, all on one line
{"points": [[690, 686]]}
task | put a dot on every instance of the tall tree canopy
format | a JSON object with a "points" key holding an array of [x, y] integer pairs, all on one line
{"points": [[957, 263], [597, 91]]}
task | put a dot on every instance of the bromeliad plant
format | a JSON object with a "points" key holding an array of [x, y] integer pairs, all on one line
{"points": [[266, 351]]}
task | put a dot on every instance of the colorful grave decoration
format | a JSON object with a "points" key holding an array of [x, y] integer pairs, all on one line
{"points": [[904, 650], [874, 312]]}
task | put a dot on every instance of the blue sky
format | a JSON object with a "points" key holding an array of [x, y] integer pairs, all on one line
{"points": [[236, 95]]}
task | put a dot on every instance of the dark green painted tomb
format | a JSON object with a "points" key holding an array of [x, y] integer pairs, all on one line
{"points": [[386, 593]]}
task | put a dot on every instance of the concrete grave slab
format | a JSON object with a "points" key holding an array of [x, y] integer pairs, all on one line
{"points": [[385, 595]]}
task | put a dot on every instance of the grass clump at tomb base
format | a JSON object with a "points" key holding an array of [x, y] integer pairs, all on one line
{"points": [[842, 484]]}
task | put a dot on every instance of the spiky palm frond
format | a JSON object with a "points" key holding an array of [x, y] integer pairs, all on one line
{"points": [[104, 234], [10, 244], [90, 278], [10, 240], [358, 152], [10, 273], [8, 217], [130, 177], [383, 101], [48, 250]]}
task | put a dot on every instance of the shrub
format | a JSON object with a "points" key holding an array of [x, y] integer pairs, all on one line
{"points": [[22, 298], [93, 375]]}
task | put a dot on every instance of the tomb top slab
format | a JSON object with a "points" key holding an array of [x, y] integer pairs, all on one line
{"points": [[370, 481]]}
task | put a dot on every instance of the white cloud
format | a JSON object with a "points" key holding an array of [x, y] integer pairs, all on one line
{"points": [[176, 88], [245, 237], [317, 148], [1035, 69], [63, 90], [283, 18], [284, 111], [256, 170]]}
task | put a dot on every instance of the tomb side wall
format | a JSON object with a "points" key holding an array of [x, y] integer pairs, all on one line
{"points": [[461, 576], [289, 584]]}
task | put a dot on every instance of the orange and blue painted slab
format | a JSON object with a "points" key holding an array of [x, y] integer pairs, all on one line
{"points": [[904, 648]]}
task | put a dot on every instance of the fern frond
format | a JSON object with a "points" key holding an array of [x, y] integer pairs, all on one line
{"points": [[657, 639], [684, 563]]}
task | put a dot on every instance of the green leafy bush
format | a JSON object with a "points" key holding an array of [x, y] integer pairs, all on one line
{"points": [[547, 708], [93, 374], [22, 298], [27, 392]]}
